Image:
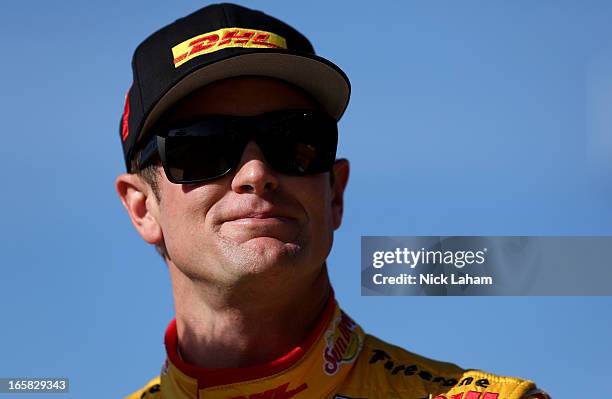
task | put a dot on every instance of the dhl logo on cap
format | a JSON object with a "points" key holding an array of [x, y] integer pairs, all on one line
{"points": [[225, 38]]}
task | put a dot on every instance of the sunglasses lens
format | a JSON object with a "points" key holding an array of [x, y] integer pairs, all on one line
{"points": [[202, 151], [300, 144]]}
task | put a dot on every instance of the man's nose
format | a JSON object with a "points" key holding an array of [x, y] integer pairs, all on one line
{"points": [[254, 175]]}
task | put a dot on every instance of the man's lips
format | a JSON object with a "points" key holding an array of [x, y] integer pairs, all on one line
{"points": [[261, 222], [260, 217], [251, 222]]}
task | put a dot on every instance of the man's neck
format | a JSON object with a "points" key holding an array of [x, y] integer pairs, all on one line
{"points": [[225, 328]]}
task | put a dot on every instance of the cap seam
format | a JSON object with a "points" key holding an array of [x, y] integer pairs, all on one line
{"points": [[137, 76], [225, 15], [130, 153]]}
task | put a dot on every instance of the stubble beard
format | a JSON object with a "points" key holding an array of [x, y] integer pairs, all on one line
{"points": [[261, 256]]}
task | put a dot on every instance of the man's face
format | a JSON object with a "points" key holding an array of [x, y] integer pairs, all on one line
{"points": [[253, 221]]}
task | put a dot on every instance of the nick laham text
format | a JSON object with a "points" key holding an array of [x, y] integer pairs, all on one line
{"points": [[432, 279]]}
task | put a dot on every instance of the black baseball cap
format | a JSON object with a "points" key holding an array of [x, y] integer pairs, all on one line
{"points": [[218, 42]]}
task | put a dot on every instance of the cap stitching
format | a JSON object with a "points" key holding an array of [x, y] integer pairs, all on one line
{"points": [[137, 80], [225, 15], [142, 112]]}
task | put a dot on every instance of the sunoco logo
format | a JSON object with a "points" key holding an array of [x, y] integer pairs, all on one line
{"points": [[343, 344]]}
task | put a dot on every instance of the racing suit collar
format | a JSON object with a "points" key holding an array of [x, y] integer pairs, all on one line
{"points": [[318, 365]]}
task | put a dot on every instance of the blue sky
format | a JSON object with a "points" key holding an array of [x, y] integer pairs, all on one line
{"points": [[466, 118]]}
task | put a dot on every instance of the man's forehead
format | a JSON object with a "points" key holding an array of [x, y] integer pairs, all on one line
{"points": [[243, 96]]}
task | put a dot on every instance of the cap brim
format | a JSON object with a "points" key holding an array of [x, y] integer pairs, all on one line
{"points": [[320, 78]]}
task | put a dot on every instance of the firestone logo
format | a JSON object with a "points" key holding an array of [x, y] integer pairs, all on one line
{"points": [[343, 344]]}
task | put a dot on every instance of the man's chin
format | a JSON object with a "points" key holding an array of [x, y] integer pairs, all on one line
{"points": [[265, 254], [270, 246]]}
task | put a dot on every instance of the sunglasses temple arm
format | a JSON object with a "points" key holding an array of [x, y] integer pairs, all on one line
{"points": [[148, 153]]}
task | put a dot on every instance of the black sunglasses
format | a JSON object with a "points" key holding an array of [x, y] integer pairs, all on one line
{"points": [[294, 142]]}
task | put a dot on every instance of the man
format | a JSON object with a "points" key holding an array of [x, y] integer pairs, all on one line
{"points": [[229, 132]]}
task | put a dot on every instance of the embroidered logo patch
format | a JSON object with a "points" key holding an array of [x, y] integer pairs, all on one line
{"points": [[224, 38], [343, 344]]}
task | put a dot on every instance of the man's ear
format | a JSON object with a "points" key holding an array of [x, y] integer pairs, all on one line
{"points": [[341, 174], [139, 200]]}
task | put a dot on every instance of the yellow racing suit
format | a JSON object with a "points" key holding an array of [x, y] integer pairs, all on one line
{"points": [[336, 361]]}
